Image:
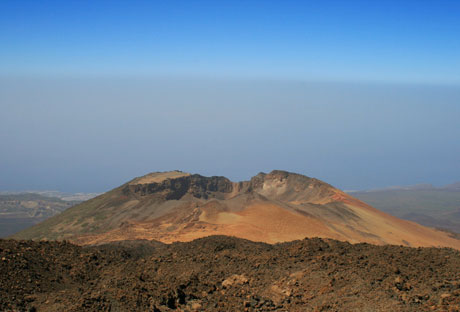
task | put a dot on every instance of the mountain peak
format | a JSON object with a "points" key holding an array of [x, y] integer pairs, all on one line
{"points": [[158, 177], [274, 207], [177, 184]]}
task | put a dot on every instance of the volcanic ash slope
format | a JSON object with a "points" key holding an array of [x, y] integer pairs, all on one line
{"points": [[275, 207]]}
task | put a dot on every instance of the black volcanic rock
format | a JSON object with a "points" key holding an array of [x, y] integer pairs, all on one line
{"points": [[211, 187], [221, 273], [196, 185]]}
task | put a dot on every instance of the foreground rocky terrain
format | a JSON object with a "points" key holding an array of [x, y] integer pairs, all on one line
{"points": [[222, 273]]}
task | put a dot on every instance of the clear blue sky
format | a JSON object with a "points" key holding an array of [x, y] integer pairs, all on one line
{"points": [[408, 41], [360, 94]]}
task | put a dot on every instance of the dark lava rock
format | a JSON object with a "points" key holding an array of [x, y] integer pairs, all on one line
{"points": [[221, 273]]}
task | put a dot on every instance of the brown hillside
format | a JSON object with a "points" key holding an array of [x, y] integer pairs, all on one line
{"points": [[274, 207]]}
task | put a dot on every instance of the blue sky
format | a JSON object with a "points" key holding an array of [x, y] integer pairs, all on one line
{"points": [[398, 41], [361, 94]]}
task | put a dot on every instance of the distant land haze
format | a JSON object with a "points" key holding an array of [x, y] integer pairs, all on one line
{"points": [[437, 207], [274, 207], [20, 210], [54, 194]]}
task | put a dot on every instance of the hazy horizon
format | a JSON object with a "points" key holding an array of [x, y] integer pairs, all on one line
{"points": [[93, 134], [359, 94]]}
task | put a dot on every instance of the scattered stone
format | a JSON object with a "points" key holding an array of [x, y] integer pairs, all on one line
{"points": [[235, 280]]}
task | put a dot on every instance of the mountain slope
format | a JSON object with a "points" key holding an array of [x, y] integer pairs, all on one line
{"points": [[274, 207]]}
